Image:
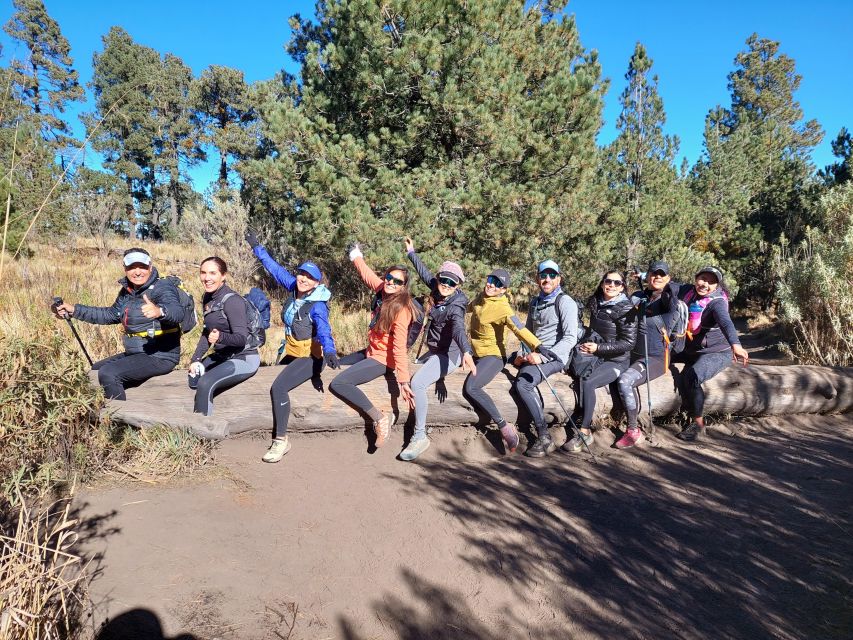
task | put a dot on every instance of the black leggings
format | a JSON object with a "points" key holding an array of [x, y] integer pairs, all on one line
{"points": [[124, 370], [296, 371], [487, 368], [345, 384], [630, 381], [602, 375], [699, 368]]}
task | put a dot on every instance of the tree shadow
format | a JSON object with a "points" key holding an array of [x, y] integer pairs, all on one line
{"points": [[136, 624], [735, 537]]}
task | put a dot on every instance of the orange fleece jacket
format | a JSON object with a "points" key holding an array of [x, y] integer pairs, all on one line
{"points": [[388, 348]]}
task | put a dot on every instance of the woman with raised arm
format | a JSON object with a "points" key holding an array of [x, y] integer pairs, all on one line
{"points": [[491, 316], [447, 344], [226, 330], [614, 320], [712, 343], [308, 342], [387, 348]]}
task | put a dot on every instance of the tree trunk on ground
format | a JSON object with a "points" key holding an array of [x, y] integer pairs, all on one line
{"points": [[750, 391]]}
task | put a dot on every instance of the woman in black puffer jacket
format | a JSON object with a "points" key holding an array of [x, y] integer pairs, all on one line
{"points": [[614, 319]]}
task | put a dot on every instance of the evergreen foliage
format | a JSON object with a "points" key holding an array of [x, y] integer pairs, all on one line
{"points": [[469, 126]]}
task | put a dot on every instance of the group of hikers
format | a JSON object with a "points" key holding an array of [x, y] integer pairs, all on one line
{"points": [[629, 340]]}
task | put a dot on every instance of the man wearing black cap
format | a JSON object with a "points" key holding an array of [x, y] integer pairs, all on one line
{"points": [[150, 313]]}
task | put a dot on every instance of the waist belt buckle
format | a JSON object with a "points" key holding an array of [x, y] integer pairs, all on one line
{"points": [[151, 333]]}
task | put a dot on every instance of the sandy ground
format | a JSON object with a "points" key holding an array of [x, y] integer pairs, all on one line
{"points": [[744, 535]]}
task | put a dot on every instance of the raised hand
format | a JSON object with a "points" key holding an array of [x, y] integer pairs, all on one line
{"points": [[149, 309], [410, 246], [251, 238], [355, 251]]}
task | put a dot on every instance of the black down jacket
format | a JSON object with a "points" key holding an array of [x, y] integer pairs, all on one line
{"points": [[616, 322]]}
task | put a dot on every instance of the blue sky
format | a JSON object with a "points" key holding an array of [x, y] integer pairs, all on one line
{"points": [[693, 45]]}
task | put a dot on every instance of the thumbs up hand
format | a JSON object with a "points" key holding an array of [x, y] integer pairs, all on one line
{"points": [[149, 309]]}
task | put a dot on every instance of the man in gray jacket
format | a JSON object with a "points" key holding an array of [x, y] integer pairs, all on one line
{"points": [[150, 312], [553, 318]]}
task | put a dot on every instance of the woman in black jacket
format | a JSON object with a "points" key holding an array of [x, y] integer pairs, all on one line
{"points": [[235, 355], [613, 318]]}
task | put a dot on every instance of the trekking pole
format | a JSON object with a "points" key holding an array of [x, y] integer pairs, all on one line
{"points": [[643, 305], [58, 301], [568, 416]]}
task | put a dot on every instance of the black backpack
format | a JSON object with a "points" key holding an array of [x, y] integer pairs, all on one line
{"points": [[254, 318], [190, 319]]}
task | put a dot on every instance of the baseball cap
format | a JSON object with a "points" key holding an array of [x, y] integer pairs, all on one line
{"points": [[548, 265], [311, 269]]}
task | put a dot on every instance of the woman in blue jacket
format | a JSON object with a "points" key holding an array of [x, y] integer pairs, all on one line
{"points": [[308, 343]]}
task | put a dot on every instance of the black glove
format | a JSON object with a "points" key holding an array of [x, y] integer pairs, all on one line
{"points": [[331, 359], [545, 351], [251, 238]]}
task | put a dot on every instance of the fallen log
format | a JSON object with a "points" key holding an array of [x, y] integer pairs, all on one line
{"points": [[755, 390]]}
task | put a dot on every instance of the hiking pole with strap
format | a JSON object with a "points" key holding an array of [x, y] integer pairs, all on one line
{"points": [[568, 416], [643, 306], [58, 301]]}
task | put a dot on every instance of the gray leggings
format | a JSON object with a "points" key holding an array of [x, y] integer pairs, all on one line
{"points": [[435, 366], [345, 385], [488, 367], [629, 382], [220, 375]]}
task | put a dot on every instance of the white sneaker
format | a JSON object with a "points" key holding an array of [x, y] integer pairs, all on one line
{"points": [[415, 448], [277, 449]]}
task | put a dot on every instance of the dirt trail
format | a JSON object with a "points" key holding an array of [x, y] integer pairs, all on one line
{"points": [[741, 536]]}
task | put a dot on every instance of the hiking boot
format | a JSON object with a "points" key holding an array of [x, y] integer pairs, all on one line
{"points": [[575, 445], [630, 438], [691, 432], [382, 429], [541, 448], [510, 437], [415, 448], [277, 449]]}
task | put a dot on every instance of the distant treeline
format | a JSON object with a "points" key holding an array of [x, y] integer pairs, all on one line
{"points": [[470, 126]]}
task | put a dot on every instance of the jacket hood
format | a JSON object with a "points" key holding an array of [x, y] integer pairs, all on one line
{"points": [[125, 283], [458, 299], [320, 293]]}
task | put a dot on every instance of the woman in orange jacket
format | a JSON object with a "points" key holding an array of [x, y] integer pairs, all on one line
{"points": [[387, 348]]}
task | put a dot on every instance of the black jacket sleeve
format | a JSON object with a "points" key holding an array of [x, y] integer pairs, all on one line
{"points": [[235, 311], [626, 334], [457, 324], [164, 294], [424, 273], [102, 315]]}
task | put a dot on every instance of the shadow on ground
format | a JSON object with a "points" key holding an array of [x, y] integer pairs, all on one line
{"points": [[736, 537]]}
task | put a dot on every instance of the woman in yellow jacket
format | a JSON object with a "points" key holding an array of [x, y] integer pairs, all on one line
{"points": [[491, 315]]}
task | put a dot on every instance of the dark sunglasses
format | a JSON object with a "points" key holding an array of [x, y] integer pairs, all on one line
{"points": [[495, 282], [548, 275], [447, 282], [659, 274], [392, 280], [614, 283]]}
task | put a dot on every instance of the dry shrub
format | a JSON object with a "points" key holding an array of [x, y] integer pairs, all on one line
{"points": [[42, 580], [816, 300]]}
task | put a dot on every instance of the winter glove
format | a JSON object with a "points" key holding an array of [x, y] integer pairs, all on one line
{"points": [[252, 239], [331, 359], [355, 251], [545, 351]]}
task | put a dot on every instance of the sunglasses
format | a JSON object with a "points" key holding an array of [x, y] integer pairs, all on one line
{"points": [[395, 281], [659, 274], [613, 283], [447, 282], [495, 282], [548, 275]]}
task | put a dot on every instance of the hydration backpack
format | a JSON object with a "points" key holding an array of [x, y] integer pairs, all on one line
{"points": [[254, 316], [190, 318]]}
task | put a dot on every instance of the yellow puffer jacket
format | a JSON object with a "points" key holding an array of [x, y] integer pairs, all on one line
{"points": [[490, 317]]}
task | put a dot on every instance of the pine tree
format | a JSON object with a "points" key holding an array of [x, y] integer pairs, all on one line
{"points": [[468, 125], [178, 142], [46, 81], [760, 147], [650, 214], [222, 101], [125, 78], [841, 171]]}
